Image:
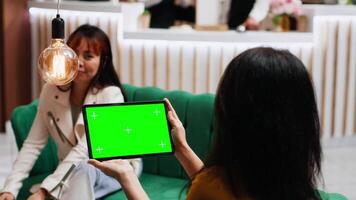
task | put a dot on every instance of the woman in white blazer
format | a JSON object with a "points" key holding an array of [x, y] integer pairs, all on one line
{"points": [[59, 116]]}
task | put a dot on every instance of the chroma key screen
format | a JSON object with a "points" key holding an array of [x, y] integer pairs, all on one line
{"points": [[127, 130]]}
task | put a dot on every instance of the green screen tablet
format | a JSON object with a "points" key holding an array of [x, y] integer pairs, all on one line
{"points": [[127, 130]]}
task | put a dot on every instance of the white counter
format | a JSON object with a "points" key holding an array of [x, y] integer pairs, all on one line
{"points": [[130, 11], [320, 9], [313, 10], [78, 6], [228, 36]]}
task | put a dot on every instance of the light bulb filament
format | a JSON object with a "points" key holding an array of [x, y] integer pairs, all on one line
{"points": [[59, 68]]}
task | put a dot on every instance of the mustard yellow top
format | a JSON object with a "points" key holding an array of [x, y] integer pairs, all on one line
{"points": [[211, 184]]}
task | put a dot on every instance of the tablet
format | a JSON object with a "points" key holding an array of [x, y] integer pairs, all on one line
{"points": [[127, 130]]}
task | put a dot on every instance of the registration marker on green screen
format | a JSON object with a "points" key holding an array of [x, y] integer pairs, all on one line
{"points": [[127, 130]]}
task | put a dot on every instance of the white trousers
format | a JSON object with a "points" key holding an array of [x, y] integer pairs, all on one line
{"points": [[88, 183]]}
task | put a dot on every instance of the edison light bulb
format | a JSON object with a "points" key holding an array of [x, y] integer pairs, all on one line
{"points": [[58, 64]]}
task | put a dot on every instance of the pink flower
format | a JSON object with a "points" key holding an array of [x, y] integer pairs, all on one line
{"points": [[289, 7]]}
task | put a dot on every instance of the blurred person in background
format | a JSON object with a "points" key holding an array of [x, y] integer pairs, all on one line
{"points": [[248, 13]]}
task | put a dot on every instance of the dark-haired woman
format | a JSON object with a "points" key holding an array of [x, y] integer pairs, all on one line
{"points": [[267, 136], [59, 116]]}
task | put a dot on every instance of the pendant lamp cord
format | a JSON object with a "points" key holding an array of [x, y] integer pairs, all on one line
{"points": [[57, 7]]}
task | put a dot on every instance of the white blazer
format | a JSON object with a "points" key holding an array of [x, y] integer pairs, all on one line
{"points": [[54, 118]]}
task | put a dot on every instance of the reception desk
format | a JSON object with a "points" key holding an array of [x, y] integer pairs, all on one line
{"points": [[194, 61]]}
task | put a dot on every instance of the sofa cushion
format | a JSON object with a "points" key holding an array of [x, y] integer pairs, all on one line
{"points": [[158, 188], [331, 196]]}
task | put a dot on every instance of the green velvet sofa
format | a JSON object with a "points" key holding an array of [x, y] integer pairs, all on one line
{"points": [[163, 177]]}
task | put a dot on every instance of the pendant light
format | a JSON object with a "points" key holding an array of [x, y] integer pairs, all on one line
{"points": [[58, 64]]}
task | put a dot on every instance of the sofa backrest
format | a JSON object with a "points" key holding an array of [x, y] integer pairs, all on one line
{"points": [[195, 112]]}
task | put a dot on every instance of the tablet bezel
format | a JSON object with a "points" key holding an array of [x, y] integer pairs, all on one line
{"points": [[125, 104]]}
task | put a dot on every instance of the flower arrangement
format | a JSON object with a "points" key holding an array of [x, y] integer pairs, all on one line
{"points": [[283, 9], [288, 7]]}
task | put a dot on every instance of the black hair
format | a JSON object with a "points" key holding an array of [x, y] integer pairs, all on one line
{"points": [[106, 75], [267, 127]]}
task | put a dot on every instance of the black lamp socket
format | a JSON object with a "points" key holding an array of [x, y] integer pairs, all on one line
{"points": [[58, 28]]}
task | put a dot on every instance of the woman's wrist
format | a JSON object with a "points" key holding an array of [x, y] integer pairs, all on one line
{"points": [[125, 176], [189, 160], [131, 185], [181, 149]]}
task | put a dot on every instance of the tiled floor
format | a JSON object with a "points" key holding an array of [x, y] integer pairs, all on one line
{"points": [[339, 164], [339, 167], [8, 152]]}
